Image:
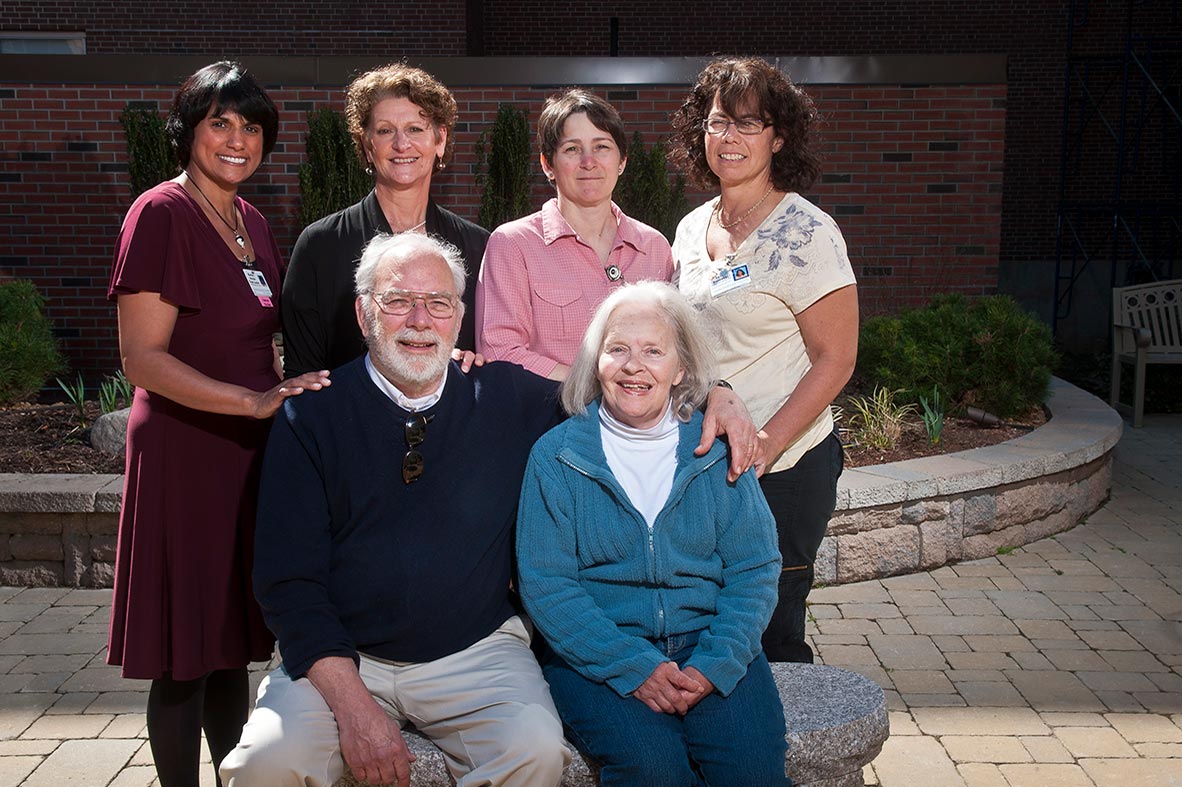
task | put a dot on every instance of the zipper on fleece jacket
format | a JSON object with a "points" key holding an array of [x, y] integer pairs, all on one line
{"points": [[604, 478]]}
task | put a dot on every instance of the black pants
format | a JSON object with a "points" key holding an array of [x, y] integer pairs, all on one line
{"points": [[802, 499]]}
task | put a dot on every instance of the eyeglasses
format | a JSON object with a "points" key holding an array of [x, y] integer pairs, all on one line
{"points": [[717, 126], [401, 302], [415, 430]]}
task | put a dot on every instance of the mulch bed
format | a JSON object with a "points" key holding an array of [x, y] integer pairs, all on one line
{"points": [[960, 434], [48, 438]]}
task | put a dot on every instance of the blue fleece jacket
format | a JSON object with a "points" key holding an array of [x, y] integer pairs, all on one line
{"points": [[598, 584]]}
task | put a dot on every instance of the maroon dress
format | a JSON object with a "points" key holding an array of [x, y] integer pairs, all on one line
{"points": [[183, 600]]}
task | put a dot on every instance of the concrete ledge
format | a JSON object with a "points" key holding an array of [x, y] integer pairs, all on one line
{"points": [[890, 519], [836, 723]]}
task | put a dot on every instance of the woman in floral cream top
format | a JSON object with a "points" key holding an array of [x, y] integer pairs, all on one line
{"points": [[768, 272]]}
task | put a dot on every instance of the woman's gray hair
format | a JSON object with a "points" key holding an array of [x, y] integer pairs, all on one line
{"points": [[406, 244], [582, 383]]}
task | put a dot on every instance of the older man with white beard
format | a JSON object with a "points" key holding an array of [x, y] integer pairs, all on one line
{"points": [[383, 553]]}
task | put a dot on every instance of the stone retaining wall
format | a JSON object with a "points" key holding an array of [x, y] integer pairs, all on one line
{"points": [[58, 530], [922, 513], [890, 519]]}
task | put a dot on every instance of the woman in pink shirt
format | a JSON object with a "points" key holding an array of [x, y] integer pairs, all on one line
{"points": [[544, 275]]}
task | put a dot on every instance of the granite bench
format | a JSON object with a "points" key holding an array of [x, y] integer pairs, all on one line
{"points": [[836, 720]]}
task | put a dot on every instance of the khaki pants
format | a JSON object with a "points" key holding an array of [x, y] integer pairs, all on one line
{"points": [[488, 709]]}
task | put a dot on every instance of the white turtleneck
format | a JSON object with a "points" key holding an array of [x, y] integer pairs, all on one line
{"points": [[642, 460]]}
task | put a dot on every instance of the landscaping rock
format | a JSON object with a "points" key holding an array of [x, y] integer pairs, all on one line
{"points": [[109, 433]]}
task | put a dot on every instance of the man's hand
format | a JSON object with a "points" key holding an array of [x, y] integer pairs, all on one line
{"points": [[372, 745], [371, 741], [726, 414], [664, 691]]}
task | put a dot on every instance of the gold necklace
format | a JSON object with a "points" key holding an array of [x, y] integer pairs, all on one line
{"points": [[741, 219]]}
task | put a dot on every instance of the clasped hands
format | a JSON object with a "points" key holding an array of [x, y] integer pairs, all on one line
{"points": [[670, 689]]}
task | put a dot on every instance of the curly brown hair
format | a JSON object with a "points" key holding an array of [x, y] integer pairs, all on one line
{"points": [[738, 81], [398, 80]]}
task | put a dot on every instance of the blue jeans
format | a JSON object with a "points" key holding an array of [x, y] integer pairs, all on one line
{"points": [[732, 741]]}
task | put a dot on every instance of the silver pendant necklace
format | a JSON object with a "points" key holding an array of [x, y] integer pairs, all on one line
{"points": [[241, 241]]}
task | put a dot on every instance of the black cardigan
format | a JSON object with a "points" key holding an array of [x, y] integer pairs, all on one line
{"points": [[319, 324]]}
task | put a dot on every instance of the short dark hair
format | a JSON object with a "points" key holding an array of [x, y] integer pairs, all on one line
{"points": [[224, 85], [560, 107], [782, 104]]}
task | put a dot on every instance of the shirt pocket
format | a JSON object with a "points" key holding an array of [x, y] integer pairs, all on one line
{"points": [[559, 309]]}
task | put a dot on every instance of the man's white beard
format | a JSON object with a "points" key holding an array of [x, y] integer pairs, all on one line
{"points": [[401, 367]]}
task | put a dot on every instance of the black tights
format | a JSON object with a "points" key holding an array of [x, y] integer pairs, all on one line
{"points": [[178, 710]]}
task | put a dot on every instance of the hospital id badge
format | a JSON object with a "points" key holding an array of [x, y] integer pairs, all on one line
{"points": [[258, 286], [730, 278]]}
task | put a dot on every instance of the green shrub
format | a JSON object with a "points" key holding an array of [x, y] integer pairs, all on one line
{"points": [[28, 352], [644, 191], [988, 353], [502, 168], [331, 177], [150, 158]]}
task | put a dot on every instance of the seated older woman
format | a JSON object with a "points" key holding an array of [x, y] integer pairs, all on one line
{"points": [[650, 576]]}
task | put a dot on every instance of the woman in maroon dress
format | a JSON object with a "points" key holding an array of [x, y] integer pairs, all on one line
{"points": [[196, 278]]}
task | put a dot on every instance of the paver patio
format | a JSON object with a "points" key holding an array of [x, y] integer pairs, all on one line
{"points": [[1053, 665]]}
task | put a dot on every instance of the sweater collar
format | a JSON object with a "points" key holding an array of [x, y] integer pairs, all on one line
{"points": [[583, 445], [397, 396]]}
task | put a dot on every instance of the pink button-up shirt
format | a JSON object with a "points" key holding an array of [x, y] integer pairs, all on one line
{"points": [[539, 285]]}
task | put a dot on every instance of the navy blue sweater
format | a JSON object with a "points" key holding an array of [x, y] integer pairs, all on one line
{"points": [[349, 558]]}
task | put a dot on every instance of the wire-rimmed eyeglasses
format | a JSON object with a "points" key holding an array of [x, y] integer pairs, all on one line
{"points": [[401, 302], [748, 126]]}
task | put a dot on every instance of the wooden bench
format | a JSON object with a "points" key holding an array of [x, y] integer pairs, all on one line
{"points": [[1146, 329], [836, 720]]}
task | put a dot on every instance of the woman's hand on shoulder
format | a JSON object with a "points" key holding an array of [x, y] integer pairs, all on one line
{"points": [[726, 414], [267, 402], [666, 689], [467, 359]]}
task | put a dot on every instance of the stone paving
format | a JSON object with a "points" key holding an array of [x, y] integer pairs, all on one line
{"points": [[1057, 664]]}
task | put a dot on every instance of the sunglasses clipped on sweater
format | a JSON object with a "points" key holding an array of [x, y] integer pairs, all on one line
{"points": [[415, 431]]}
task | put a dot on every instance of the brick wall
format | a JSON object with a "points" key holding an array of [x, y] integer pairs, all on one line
{"points": [[913, 177], [1031, 35], [220, 28]]}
